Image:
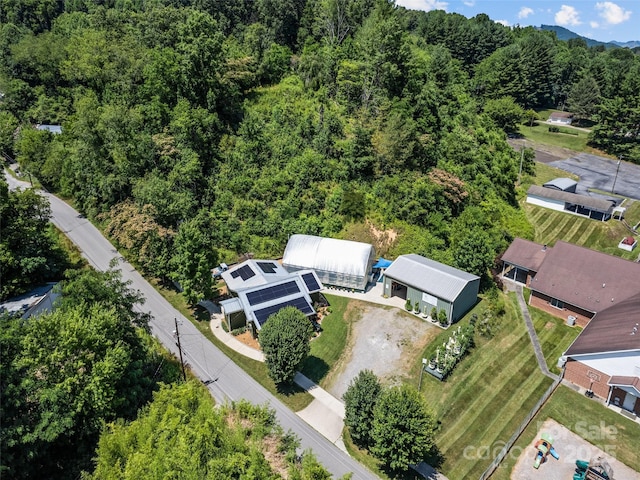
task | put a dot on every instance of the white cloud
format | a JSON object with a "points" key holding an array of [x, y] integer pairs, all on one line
{"points": [[469, 3], [425, 5], [567, 16], [503, 22], [612, 13], [594, 24], [525, 12]]}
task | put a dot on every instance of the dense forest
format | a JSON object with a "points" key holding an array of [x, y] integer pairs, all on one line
{"points": [[195, 131]]}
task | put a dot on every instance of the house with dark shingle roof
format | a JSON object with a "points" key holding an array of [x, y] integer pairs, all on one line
{"points": [[568, 280], [565, 201], [597, 291], [605, 357]]}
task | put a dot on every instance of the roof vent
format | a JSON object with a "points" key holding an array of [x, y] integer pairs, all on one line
{"points": [[603, 285]]}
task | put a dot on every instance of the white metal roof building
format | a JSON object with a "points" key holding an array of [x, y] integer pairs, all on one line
{"points": [[343, 263], [432, 284], [263, 287]]}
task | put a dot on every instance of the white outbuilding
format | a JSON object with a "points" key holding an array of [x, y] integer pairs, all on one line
{"points": [[341, 263]]}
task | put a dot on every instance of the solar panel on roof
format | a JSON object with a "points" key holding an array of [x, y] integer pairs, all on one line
{"points": [[267, 267], [311, 282], [245, 273], [271, 293], [300, 303]]}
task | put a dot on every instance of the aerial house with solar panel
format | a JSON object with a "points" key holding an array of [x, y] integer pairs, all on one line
{"points": [[262, 288]]}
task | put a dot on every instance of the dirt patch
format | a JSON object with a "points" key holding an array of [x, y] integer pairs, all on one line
{"points": [[549, 325], [570, 447], [387, 341], [248, 340]]}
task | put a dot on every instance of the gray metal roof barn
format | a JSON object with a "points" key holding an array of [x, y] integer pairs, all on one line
{"points": [[432, 284], [342, 263]]}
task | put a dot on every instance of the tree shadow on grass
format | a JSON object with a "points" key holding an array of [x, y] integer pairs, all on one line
{"points": [[314, 368], [289, 389]]}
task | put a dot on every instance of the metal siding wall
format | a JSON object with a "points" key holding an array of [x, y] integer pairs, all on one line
{"points": [[416, 296], [466, 300]]}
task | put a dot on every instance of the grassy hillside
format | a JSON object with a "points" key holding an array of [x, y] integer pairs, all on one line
{"points": [[487, 396]]}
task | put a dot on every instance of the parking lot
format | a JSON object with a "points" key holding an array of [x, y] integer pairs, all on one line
{"points": [[600, 173]]}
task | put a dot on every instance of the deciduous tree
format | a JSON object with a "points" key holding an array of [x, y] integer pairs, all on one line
{"points": [[359, 402], [284, 340], [403, 428]]}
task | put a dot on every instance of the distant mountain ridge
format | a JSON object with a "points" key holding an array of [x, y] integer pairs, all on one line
{"points": [[564, 34]]}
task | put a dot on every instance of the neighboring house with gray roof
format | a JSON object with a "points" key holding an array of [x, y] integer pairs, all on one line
{"points": [[561, 201], [562, 184], [432, 284], [36, 302], [55, 129]]}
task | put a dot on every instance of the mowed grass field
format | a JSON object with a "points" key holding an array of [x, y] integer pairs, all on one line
{"points": [[483, 401], [550, 226], [555, 336]]}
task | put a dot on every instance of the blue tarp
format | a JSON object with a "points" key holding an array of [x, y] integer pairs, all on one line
{"points": [[382, 263]]}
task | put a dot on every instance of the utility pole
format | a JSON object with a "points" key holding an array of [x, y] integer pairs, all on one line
{"points": [[616, 177], [177, 332], [521, 160], [424, 362]]}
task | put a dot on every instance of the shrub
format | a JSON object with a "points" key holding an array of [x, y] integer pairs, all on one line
{"points": [[554, 129], [408, 305], [442, 317], [238, 331], [416, 307]]}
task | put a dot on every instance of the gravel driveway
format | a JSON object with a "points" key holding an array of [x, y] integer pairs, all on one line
{"points": [[386, 340]]}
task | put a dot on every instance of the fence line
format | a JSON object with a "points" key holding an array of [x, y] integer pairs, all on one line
{"points": [[534, 411]]}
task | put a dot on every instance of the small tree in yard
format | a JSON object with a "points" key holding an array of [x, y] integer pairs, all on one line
{"points": [[359, 402], [284, 340], [403, 428], [442, 317]]}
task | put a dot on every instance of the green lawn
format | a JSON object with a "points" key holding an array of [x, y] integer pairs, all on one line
{"points": [[539, 133], [486, 397], [578, 414], [327, 348], [551, 225], [554, 334], [544, 174]]}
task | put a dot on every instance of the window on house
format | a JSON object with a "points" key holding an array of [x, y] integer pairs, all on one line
{"points": [[557, 303]]}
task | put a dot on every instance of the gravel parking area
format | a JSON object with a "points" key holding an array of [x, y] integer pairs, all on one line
{"points": [[570, 447], [385, 340]]}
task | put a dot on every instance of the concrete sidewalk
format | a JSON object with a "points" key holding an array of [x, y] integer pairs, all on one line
{"points": [[325, 413]]}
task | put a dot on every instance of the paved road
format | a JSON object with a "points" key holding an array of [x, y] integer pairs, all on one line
{"points": [[228, 381]]}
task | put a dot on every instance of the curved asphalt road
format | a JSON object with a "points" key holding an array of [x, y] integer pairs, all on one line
{"points": [[227, 380]]}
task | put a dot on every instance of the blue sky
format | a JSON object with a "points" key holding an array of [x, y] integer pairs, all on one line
{"points": [[600, 20]]}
